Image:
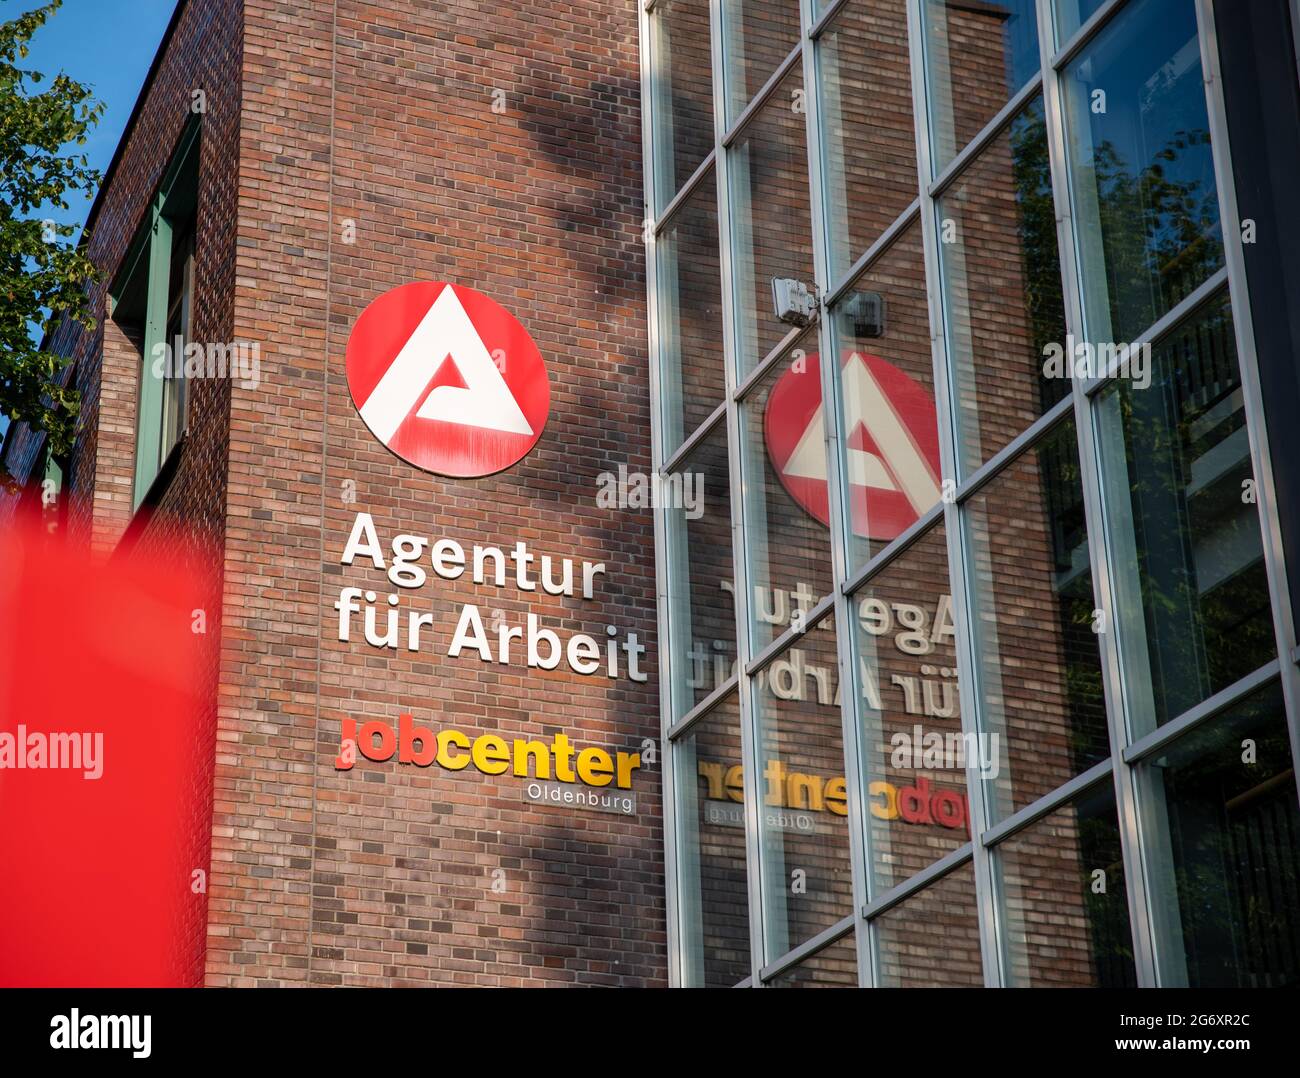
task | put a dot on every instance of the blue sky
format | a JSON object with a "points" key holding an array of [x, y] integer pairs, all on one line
{"points": [[107, 45]]}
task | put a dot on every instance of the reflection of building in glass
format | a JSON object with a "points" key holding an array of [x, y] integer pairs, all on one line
{"points": [[975, 641], [1071, 574]]}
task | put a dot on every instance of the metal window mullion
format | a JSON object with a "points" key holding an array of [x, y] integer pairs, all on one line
{"points": [[1270, 524], [1048, 803], [954, 536], [821, 20], [1167, 324], [682, 726], [993, 129], [1164, 735], [765, 92], [893, 550], [667, 754], [850, 697], [788, 638], [739, 568], [1092, 26], [750, 381], [879, 246], [179, 160], [677, 458], [1127, 809], [809, 948], [1023, 442], [683, 195], [919, 881]]}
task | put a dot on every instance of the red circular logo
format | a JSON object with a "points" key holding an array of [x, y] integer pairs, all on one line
{"points": [[892, 442], [447, 379]]}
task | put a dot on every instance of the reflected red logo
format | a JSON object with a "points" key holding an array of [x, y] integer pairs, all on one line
{"points": [[892, 442], [447, 379]]}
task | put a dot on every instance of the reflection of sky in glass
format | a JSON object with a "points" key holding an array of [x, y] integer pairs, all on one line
{"points": [[1071, 14], [1154, 117], [1139, 146], [1021, 35], [1019, 38]]}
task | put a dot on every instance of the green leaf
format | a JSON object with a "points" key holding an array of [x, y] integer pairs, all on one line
{"points": [[40, 283]]}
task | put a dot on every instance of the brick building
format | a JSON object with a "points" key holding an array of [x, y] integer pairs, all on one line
{"points": [[344, 150], [911, 532]]}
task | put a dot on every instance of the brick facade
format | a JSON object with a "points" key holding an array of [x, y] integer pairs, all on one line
{"points": [[382, 115], [379, 117], [351, 147]]}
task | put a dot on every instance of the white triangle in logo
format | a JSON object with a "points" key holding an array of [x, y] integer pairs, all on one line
{"points": [[865, 402], [484, 401], [808, 461]]}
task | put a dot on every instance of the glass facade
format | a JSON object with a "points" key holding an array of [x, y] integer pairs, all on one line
{"points": [[977, 669]]}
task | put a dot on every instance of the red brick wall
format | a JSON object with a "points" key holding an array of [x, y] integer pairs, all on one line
{"points": [[381, 113]]}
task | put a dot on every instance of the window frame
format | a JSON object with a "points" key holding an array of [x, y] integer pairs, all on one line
{"points": [[141, 298]]}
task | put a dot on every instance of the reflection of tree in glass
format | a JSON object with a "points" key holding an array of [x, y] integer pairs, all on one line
{"points": [[1161, 234], [1233, 833], [1044, 302], [1062, 495], [1200, 558], [1110, 937], [1162, 239]]}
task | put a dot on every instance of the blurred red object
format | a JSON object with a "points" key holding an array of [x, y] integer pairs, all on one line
{"points": [[102, 880]]}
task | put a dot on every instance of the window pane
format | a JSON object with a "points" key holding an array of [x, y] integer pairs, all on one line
{"points": [[807, 883], [1072, 14], [757, 36], [1226, 860], [773, 236], [891, 438], [1191, 593], [977, 56], [914, 953], [1032, 604], [690, 291], [683, 92], [180, 291], [870, 150], [786, 510], [1002, 288], [1067, 911], [1145, 204], [835, 966], [906, 661], [702, 620], [711, 845]]}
